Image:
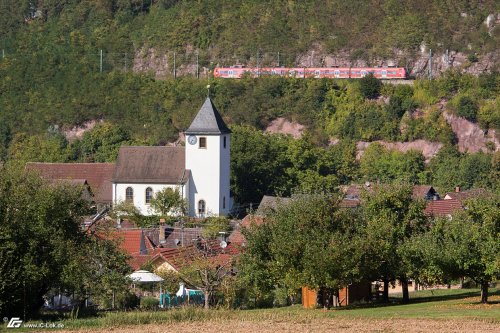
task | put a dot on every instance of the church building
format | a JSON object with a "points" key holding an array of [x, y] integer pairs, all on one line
{"points": [[199, 171]]}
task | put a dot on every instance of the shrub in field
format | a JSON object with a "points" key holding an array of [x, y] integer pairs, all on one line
{"points": [[149, 303], [129, 301]]}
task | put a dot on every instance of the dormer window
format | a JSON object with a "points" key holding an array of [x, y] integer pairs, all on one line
{"points": [[203, 143]]}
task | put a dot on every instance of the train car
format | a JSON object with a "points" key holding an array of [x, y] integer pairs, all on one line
{"points": [[231, 72], [327, 72], [385, 73], [379, 72]]}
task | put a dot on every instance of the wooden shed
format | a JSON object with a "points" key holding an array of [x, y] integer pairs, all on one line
{"points": [[353, 293]]}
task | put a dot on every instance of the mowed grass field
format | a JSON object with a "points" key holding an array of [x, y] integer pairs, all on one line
{"points": [[429, 311]]}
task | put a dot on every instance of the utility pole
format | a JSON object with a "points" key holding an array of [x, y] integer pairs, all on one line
{"points": [[182, 232], [197, 65], [175, 74], [100, 62], [3, 53], [430, 64], [257, 63], [278, 59]]}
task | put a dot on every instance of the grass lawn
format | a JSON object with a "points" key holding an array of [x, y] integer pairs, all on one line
{"points": [[438, 310]]}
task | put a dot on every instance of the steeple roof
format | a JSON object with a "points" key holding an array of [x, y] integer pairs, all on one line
{"points": [[208, 121]]}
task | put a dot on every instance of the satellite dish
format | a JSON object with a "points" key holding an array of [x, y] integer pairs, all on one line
{"points": [[177, 242], [223, 244]]}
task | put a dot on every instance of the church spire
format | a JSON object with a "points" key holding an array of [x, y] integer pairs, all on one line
{"points": [[208, 120]]}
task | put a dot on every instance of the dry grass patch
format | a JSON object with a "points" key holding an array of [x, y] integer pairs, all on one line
{"points": [[316, 325]]}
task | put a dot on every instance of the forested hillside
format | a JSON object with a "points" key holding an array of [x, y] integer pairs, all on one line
{"points": [[239, 29], [52, 79]]}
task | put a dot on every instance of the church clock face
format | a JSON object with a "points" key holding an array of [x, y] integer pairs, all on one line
{"points": [[192, 139]]}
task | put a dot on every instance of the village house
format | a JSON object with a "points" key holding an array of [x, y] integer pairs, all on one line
{"points": [[95, 177]]}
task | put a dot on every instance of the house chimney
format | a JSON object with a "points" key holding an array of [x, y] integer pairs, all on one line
{"points": [[457, 189], [162, 231], [222, 236]]}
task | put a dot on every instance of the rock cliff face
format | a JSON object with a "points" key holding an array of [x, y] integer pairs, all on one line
{"points": [[471, 138], [416, 64], [161, 63], [282, 125], [427, 148]]}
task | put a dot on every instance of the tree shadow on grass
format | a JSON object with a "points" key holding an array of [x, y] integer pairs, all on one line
{"points": [[462, 294]]}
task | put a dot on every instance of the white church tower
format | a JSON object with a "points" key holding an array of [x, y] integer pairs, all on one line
{"points": [[208, 161]]}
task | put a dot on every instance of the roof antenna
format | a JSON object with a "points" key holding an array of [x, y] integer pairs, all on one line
{"points": [[208, 91]]}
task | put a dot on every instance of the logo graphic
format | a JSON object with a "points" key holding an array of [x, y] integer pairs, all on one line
{"points": [[15, 322]]}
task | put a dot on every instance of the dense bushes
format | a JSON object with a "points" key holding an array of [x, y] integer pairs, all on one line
{"points": [[370, 86], [149, 303], [467, 108]]}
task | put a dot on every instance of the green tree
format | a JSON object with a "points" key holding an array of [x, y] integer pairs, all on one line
{"points": [[370, 86], [204, 268], [37, 148], [380, 164], [302, 243], [467, 108], [168, 201], [101, 144], [215, 225], [251, 180], [392, 218], [43, 246], [465, 245], [5, 138], [127, 210], [254, 273], [171, 280]]}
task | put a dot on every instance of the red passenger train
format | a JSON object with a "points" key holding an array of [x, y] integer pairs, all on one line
{"points": [[385, 73]]}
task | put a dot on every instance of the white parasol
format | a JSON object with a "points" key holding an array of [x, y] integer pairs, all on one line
{"points": [[145, 276]]}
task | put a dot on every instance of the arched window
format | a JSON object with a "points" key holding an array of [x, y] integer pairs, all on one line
{"points": [[201, 207], [129, 194], [149, 195], [224, 203]]}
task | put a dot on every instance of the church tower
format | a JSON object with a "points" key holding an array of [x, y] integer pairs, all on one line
{"points": [[208, 161]]}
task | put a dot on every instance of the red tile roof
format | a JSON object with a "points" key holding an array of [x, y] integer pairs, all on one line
{"points": [[236, 237], [464, 195], [136, 244], [252, 219], [349, 203], [158, 164], [354, 191], [136, 262], [96, 175], [131, 241], [441, 208], [422, 191], [183, 256]]}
